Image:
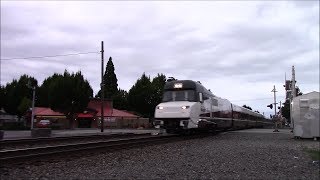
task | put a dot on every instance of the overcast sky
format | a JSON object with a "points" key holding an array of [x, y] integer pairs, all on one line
{"points": [[239, 50]]}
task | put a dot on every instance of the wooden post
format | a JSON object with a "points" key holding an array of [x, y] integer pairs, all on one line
{"points": [[102, 88]]}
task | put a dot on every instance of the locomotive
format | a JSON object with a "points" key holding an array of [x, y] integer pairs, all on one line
{"points": [[188, 106]]}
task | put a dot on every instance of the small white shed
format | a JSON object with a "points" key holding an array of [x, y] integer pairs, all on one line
{"points": [[305, 115]]}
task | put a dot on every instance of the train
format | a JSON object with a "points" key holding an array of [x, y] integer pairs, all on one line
{"points": [[187, 106]]}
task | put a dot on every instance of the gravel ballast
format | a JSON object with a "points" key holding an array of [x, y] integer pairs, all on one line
{"points": [[231, 155]]}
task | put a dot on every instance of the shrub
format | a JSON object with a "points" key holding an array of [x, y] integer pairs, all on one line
{"points": [[14, 126]]}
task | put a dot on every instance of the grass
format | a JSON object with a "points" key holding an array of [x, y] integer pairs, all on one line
{"points": [[315, 154]]}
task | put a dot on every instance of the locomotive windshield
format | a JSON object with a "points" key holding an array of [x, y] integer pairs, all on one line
{"points": [[183, 95]]}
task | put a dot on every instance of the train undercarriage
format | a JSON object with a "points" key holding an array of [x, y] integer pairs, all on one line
{"points": [[180, 126]]}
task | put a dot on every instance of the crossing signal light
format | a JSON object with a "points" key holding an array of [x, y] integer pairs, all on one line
{"points": [[270, 106]]}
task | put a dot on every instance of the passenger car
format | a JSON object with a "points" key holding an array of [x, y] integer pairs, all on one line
{"points": [[44, 123]]}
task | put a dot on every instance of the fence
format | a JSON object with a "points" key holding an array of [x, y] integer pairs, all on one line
{"points": [[122, 122]]}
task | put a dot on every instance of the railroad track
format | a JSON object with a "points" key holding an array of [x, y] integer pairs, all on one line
{"points": [[106, 145], [30, 142]]}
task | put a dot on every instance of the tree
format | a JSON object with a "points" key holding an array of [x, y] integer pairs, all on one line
{"points": [[145, 95], [298, 92], [70, 94], [248, 107], [24, 105], [157, 86], [42, 92], [120, 100], [110, 81], [139, 96], [2, 96], [16, 91], [111, 90], [285, 109]]}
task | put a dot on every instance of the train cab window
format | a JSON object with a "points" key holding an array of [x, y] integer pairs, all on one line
{"points": [[183, 95], [205, 96], [214, 102]]}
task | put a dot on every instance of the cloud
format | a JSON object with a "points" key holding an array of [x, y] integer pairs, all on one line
{"points": [[239, 50]]}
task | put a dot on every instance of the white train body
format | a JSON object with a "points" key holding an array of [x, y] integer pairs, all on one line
{"points": [[188, 105], [186, 112]]}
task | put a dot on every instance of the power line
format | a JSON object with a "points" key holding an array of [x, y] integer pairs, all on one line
{"points": [[255, 99], [50, 56]]}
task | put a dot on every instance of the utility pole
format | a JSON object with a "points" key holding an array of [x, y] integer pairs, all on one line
{"points": [[280, 115], [293, 94], [293, 88], [280, 110], [33, 99], [275, 108], [33, 87], [102, 88], [275, 101]]}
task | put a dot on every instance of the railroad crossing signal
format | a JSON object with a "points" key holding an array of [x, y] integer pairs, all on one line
{"points": [[270, 106]]}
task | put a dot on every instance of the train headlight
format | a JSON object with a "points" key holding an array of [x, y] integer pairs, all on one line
{"points": [[159, 107], [185, 107]]}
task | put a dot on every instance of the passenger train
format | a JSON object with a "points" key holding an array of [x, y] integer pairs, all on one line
{"points": [[188, 106]]}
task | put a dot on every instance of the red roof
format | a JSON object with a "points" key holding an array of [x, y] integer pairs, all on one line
{"points": [[94, 104], [44, 111], [85, 115], [107, 110], [119, 113]]}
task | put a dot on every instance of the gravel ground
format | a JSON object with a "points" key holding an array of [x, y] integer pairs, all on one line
{"points": [[232, 155]]}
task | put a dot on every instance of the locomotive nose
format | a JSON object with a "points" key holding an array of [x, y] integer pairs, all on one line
{"points": [[174, 110]]}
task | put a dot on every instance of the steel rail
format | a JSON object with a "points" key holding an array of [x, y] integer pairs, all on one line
{"points": [[16, 154], [65, 138]]}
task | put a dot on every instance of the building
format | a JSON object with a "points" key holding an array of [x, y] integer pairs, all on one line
{"points": [[90, 117], [58, 120], [6, 118]]}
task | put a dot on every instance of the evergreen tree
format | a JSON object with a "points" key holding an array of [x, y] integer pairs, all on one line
{"points": [[120, 100], [298, 92], [285, 109], [145, 95], [42, 93], [139, 96], [70, 94], [2, 96], [111, 90], [16, 91], [157, 84], [10, 102], [110, 81], [24, 105]]}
